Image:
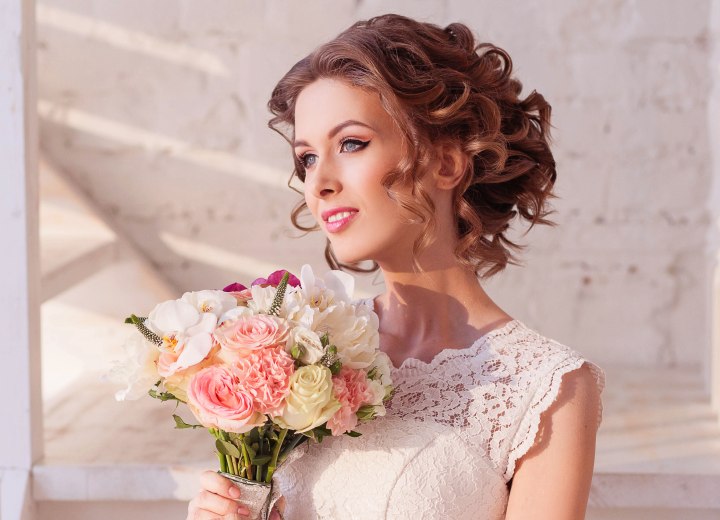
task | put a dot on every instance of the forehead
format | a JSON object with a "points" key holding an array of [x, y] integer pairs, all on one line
{"points": [[326, 102]]}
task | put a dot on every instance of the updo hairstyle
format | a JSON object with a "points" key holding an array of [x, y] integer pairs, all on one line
{"points": [[439, 85]]}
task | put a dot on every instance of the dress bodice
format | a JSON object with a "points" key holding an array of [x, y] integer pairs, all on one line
{"points": [[447, 447]]}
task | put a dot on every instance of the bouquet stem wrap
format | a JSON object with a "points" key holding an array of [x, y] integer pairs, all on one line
{"points": [[260, 497]]}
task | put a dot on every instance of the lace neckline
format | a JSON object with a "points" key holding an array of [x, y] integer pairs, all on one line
{"points": [[446, 353]]}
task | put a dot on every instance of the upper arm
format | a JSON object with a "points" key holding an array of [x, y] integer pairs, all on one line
{"points": [[552, 480]]}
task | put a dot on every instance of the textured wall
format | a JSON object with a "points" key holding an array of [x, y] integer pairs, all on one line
{"points": [[159, 111]]}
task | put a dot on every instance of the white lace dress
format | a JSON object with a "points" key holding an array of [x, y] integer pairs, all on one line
{"points": [[448, 445]]}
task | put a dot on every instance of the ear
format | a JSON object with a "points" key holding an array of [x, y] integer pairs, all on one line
{"points": [[452, 168]]}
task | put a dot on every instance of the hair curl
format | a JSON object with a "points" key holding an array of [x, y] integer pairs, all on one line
{"points": [[439, 85]]}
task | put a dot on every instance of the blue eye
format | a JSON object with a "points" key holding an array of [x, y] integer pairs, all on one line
{"points": [[355, 145], [305, 159]]}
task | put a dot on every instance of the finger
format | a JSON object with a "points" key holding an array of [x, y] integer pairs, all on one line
{"points": [[209, 501], [212, 481], [200, 514]]}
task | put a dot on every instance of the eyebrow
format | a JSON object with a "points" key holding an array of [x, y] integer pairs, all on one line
{"points": [[333, 131]]}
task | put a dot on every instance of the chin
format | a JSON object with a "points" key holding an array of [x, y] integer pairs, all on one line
{"points": [[350, 255]]}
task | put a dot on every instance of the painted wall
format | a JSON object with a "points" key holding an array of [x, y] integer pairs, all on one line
{"points": [[159, 111]]}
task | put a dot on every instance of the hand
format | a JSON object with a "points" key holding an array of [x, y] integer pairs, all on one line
{"points": [[278, 509], [216, 500]]}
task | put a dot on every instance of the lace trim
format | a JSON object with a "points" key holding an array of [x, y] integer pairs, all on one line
{"points": [[543, 398]]}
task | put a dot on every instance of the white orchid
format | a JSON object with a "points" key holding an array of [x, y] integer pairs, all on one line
{"points": [[321, 293], [184, 330], [216, 302]]}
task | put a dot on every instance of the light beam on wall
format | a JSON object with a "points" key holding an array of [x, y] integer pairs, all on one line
{"points": [[130, 40], [155, 142]]}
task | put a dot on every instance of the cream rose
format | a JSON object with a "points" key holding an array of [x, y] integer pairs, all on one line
{"points": [[310, 401], [354, 331]]}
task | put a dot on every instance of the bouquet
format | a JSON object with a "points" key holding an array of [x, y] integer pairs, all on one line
{"points": [[264, 369]]}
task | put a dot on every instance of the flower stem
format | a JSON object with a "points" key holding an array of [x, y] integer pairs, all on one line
{"points": [[246, 458], [276, 452]]}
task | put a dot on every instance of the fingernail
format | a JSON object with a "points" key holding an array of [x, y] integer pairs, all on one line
{"points": [[234, 492], [244, 511]]}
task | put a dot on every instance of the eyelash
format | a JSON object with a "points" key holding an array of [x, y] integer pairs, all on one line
{"points": [[361, 145]]}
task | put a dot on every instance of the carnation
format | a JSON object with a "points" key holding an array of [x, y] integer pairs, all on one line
{"points": [[351, 389], [265, 374]]}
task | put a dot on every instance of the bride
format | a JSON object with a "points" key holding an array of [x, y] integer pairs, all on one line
{"points": [[416, 153]]}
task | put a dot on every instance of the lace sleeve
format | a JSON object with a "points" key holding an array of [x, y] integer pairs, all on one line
{"points": [[541, 396]]}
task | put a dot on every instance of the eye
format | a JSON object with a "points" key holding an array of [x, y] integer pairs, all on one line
{"points": [[307, 159], [352, 145]]}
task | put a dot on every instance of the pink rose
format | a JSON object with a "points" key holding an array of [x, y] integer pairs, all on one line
{"points": [[251, 333], [218, 400], [265, 374], [352, 390]]}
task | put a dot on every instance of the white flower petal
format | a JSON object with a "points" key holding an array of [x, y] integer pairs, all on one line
{"points": [[172, 316], [194, 351]]}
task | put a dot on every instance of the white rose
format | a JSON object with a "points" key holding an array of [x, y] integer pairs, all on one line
{"points": [[216, 302], [312, 349], [382, 368], [137, 371], [354, 331], [310, 401]]}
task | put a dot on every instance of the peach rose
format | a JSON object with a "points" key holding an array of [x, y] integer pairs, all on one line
{"points": [[218, 400], [251, 332]]}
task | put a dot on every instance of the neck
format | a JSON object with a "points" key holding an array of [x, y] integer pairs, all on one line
{"points": [[442, 307]]}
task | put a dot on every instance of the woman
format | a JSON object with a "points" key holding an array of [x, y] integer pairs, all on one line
{"points": [[416, 153]]}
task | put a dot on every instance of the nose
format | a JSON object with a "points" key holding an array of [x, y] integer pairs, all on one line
{"points": [[324, 180]]}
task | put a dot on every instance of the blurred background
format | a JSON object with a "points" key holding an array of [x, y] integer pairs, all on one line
{"points": [[157, 174]]}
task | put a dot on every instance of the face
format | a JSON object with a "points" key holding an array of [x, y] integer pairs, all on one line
{"points": [[348, 143]]}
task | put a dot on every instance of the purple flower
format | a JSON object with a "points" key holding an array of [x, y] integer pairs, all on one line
{"points": [[274, 279], [235, 287]]}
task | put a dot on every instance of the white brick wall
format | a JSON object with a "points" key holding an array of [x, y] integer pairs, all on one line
{"points": [[156, 107]]}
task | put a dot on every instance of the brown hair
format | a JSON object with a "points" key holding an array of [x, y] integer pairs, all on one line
{"points": [[440, 86]]}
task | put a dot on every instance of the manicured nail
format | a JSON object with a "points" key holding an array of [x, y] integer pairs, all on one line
{"points": [[234, 492], [244, 511]]}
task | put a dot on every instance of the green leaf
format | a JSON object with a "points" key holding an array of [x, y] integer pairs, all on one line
{"points": [[353, 433], [366, 412], [163, 396], [325, 340], [296, 351], [227, 448], [335, 367], [263, 459], [181, 425]]}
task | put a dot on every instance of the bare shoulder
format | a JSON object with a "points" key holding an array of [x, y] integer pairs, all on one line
{"points": [[554, 475]]}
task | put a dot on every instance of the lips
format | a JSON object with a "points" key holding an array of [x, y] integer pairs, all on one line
{"points": [[337, 219], [329, 213]]}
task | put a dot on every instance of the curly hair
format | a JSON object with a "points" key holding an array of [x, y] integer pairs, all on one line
{"points": [[439, 85]]}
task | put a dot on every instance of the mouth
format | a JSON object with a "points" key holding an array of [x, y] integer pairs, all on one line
{"points": [[338, 219]]}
